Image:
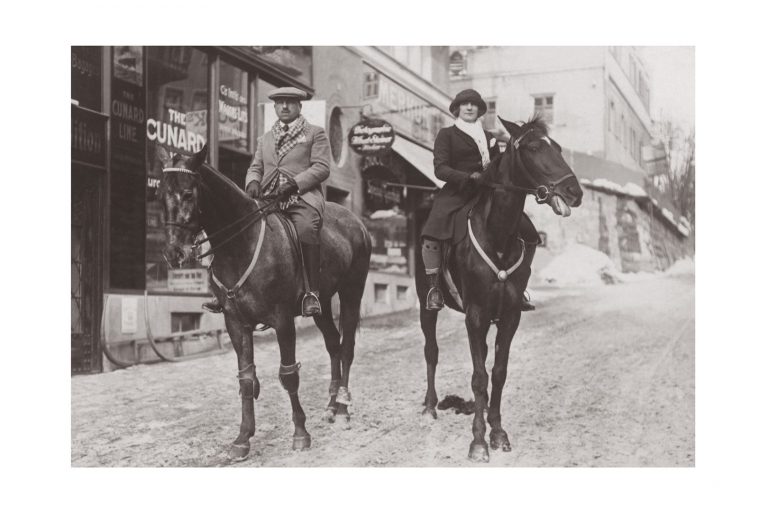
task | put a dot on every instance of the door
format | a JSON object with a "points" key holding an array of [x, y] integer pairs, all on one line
{"points": [[86, 297]]}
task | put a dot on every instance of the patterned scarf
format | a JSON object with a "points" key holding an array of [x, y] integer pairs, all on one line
{"points": [[286, 140]]}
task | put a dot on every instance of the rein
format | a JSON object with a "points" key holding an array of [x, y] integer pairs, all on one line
{"points": [[542, 193], [249, 219]]}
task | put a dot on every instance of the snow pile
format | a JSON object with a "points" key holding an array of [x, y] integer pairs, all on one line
{"points": [[630, 189], [580, 264], [635, 190], [682, 266]]}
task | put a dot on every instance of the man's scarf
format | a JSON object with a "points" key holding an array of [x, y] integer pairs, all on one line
{"points": [[286, 140]]}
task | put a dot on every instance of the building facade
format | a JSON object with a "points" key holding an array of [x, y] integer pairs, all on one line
{"points": [[596, 102], [129, 100]]}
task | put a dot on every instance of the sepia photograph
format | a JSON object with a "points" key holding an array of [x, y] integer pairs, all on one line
{"points": [[383, 256]]}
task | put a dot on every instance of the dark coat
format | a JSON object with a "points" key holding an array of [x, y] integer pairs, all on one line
{"points": [[456, 157]]}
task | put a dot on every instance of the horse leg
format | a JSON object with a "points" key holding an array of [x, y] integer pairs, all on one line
{"points": [[507, 327], [289, 377], [242, 341], [350, 320], [332, 339], [428, 320], [477, 324]]}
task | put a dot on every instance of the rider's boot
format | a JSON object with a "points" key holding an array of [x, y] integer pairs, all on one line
{"points": [[213, 306], [431, 255], [310, 304]]}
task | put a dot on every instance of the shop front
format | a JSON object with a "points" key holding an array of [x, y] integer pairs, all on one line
{"points": [[180, 98], [398, 183]]}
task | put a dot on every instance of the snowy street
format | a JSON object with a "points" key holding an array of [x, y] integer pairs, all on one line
{"points": [[598, 376]]}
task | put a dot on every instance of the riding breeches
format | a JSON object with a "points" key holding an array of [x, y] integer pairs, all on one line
{"points": [[307, 221]]}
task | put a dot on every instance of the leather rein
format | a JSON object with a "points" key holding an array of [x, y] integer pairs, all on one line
{"points": [[542, 193]]}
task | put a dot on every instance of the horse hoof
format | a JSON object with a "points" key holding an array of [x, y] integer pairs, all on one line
{"points": [[302, 442], [429, 411], [238, 452], [500, 440], [329, 416], [478, 452], [343, 396]]}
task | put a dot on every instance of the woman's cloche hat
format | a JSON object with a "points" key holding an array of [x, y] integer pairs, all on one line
{"points": [[468, 96]]}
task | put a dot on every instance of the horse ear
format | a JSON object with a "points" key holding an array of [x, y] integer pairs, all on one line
{"points": [[513, 129], [163, 155], [198, 158]]}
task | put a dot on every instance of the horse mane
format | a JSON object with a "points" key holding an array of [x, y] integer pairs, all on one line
{"points": [[536, 122], [211, 173]]}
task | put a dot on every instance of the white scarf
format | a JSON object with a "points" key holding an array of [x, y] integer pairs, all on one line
{"points": [[475, 130]]}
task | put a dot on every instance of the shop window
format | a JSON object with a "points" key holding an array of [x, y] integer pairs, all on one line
{"points": [[182, 322], [86, 76], [402, 293], [336, 135], [380, 292], [177, 118], [489, 119], [385, 218], [234, 157], [543, 107], [370, 85], [543, 237]]}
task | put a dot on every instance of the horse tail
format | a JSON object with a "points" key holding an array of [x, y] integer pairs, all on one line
{"points": [[458, 404]]}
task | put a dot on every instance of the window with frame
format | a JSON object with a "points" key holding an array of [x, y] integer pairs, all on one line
{"points": [[633, 143], [370, 85], [457, 65], [489, 119], [612, 118], [543, 107]]}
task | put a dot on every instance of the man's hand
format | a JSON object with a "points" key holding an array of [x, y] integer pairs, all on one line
{"points": [[253, 189], [285, 190]]}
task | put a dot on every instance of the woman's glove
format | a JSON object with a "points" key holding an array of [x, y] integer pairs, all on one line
{"points": [[472, 181]]}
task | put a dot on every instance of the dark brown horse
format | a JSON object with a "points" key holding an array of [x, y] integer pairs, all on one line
{"points": [[492, 271], [257, 276]]}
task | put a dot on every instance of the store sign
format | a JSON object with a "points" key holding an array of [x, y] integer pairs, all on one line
{"points": [[371, 136], [193, 280], [185, 131], [379, 190], [89, 135]]}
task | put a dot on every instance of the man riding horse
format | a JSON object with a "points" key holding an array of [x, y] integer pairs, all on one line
{"points": [[292, 160]]}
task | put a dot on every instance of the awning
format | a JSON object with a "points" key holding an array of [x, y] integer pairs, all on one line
{"points": [[418, 157]]}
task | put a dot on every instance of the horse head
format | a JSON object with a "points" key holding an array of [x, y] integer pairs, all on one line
{"points": [[543, 166], [179, 195]]}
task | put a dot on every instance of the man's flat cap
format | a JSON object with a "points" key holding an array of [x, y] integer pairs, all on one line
{"points": [[289, 92]]}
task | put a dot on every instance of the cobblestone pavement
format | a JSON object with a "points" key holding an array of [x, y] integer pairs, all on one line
{"points": [[597, 377]]}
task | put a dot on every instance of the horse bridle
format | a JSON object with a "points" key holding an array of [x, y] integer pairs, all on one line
{"points": [[248, 219], [542, 193]]}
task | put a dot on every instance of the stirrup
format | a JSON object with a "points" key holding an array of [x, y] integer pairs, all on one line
{"points": [[434, 299], [310, 304]]}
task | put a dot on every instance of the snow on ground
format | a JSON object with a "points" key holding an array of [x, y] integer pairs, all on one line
{"points": [[680, 267], [582, 265]]}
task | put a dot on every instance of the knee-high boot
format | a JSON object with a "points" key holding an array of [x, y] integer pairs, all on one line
{"points": [[310, 304]]}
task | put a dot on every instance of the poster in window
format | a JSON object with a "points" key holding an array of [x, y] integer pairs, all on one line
{"points": [[128, 64]]}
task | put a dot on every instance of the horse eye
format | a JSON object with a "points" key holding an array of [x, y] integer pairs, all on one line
{"points": [[187, 194]]}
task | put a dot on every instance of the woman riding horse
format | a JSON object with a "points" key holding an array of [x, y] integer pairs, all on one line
{"points": [[461, 153]]}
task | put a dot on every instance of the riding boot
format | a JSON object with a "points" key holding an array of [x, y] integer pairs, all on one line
{"points": [[310, 304], [213, 306], [434, 295]]}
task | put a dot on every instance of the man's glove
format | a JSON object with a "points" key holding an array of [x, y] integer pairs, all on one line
{"points": [[253, 189], [285, 190]]}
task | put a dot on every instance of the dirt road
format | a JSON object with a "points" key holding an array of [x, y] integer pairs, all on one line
{"points": [[597, 377]]}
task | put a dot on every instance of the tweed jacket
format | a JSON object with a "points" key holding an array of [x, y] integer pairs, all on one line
{"points": [[455, 157], [308, 163]]}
